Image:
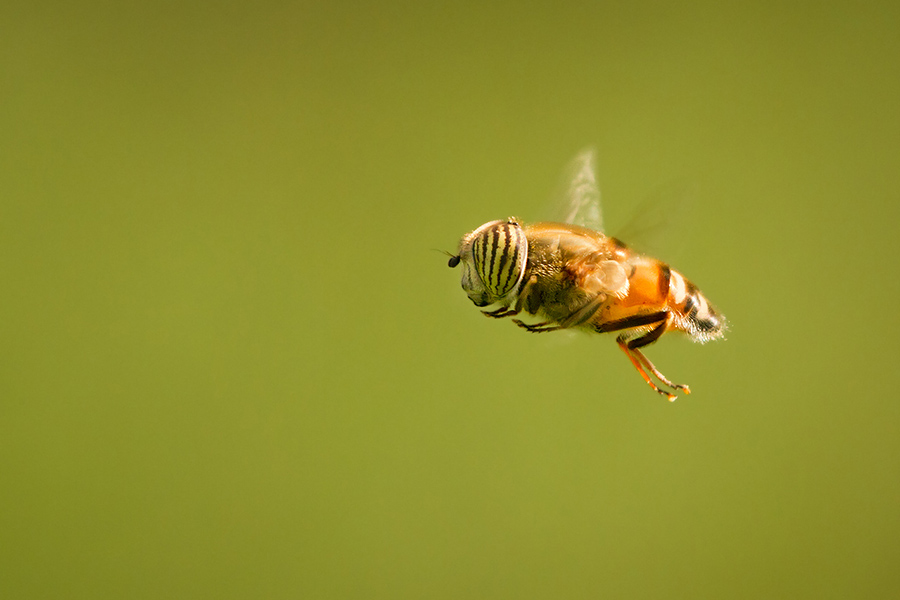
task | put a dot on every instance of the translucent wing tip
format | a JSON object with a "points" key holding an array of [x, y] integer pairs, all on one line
{"points": [[582, 192]]}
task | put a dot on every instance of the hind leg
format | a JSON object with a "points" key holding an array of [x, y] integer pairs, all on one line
{"points": [[631, 348]]}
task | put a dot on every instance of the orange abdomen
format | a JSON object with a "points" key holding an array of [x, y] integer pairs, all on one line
{"points": [[653, 287], [696, 316]]}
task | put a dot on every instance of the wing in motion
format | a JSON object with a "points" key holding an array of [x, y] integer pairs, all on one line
{"points": [[582, 195]]}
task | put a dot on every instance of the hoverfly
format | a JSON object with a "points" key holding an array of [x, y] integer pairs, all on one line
{"points": [[570, 275]]}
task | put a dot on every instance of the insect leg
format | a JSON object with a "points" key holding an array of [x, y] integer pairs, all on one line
{"points": [[584, 313], [537, 327], [631, 322], [576, 318], [646, 339], [500, 312], [630, 348], [524, 301], [524, 293], [640, 369]]}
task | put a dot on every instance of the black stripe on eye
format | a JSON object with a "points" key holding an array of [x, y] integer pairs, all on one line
{"points": [[495, 243], [514, 260], [479, 252], [504, 258]]}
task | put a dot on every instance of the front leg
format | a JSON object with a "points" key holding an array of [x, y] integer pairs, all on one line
{"points": [[529, 299], [575, 319], [584, 313], [501, 312], [537, 327], [525, 301]]}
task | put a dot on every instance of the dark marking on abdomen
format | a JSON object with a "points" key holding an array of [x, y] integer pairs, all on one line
{"points": [[665, 273]]}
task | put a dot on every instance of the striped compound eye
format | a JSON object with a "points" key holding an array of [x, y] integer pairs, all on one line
{"points": [[499, 251]]}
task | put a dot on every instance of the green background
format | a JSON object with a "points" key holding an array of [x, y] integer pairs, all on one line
{"points": [[233, 366]]}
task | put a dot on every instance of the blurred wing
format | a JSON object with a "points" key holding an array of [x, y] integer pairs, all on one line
{"points": [[581, 195], [661, 223]]}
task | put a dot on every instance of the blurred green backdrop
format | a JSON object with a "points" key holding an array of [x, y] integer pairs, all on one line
{"points": [[234, 367]]}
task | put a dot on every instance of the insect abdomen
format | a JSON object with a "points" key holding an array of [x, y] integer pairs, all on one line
{"points": [[697, 316]]}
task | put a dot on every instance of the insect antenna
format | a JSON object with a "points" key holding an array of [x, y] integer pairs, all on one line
{"points": [[454, 259]]}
